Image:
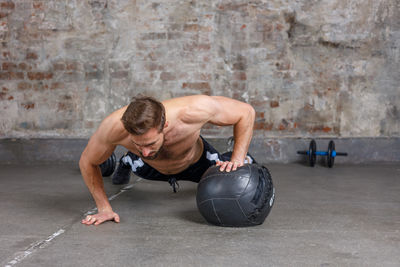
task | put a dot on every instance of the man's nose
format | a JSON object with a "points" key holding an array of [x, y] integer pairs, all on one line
{"points": [[145, 151]]}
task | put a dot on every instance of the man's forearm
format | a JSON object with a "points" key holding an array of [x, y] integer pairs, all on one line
{"points": [[243, 132], [93, 180]]}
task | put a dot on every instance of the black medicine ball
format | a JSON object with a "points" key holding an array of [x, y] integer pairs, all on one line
{"points": [[238, 198]]}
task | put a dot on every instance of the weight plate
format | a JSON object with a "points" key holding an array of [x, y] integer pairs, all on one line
{"points": [[331, 159], [311, 153]]}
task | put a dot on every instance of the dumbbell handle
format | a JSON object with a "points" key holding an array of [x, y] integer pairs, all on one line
{"points": [[323, 153], [334, 153], [302, 152]]}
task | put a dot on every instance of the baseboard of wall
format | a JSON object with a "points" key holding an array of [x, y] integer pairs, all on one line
{"points": [[276, 150]]}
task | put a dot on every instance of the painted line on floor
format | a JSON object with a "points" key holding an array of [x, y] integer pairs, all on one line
{"points": [[34, 247], [19, 256]]}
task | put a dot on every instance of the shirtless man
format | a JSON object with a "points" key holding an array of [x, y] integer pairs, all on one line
{"points": [[164, 142]]}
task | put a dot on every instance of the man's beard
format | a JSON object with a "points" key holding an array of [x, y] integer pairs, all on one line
{"points": [[156, 152], [150, 157]]}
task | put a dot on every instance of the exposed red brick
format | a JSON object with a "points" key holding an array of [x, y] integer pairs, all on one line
{"points": [[281, 127], [4, 76], [7, 5], [240, 75], [243, 27], [153, 36], [204, 46], [2, 95], [63, 106], [260, 115], [38, 5], [11, 75], [235, 7], [279, 27], [264, 27], [274, 104], [72, 65], [28, 105], [174, 35], [167, 76], [153, 67], [24, 86], [3, 15], [239, 66], [40, 75], [308, 107], [196, 28], [263, 126], [258, 103], [6, 55], [57, 85], [10, 97], [320, 128], [326, 129], [32, 55], [198, 86], [194, 46], [22, 66], [9, 66], [59, 66]]}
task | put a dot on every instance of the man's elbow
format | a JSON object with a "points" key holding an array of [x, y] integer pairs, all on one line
{"points": [[83, 162], [251, 112]]}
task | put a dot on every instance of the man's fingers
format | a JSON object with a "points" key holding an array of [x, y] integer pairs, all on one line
{"points": [[100, 218], [235, 165], [116, 218], [229, 167], [223, 166]]}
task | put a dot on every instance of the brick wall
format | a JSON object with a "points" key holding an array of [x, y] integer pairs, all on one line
{"points": [[310, 68]]}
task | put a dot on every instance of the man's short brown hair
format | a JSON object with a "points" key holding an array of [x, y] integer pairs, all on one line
{"points": [[143, 114]]}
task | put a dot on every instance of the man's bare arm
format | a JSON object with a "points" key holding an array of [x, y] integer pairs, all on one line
{"points": [[223, 111], [96, 152], [241, 115]]}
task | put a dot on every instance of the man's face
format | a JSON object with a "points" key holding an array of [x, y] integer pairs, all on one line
{"points": [[149, 144]]}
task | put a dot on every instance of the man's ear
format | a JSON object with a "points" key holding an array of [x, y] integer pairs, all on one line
{"points": [[166, 124]]}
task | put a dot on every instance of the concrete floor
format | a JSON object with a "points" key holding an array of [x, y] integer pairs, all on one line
{"points": [[345, 216]]}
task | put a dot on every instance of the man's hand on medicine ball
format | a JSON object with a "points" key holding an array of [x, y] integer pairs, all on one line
{"points": [[229, 165]]}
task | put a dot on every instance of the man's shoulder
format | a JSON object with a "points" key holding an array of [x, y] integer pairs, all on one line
{"points": [[186, 103], [112, 129], [190, 109]]}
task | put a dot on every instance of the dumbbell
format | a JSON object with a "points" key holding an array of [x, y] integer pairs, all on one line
{"points": [[108, 167], [313, 153]]}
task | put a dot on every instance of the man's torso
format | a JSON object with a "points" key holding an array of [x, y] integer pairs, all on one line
{"points": [[182, 146]]}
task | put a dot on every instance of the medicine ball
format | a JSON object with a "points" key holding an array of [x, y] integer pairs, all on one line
{"points": [[238, 198]]}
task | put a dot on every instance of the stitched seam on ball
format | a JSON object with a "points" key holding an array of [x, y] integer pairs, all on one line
{"points": [[215, 212], [219, 198], [244, 214], [244, 190]]}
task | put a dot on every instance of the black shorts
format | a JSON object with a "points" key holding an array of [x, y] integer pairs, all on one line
{"points": [[193, 173]]}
